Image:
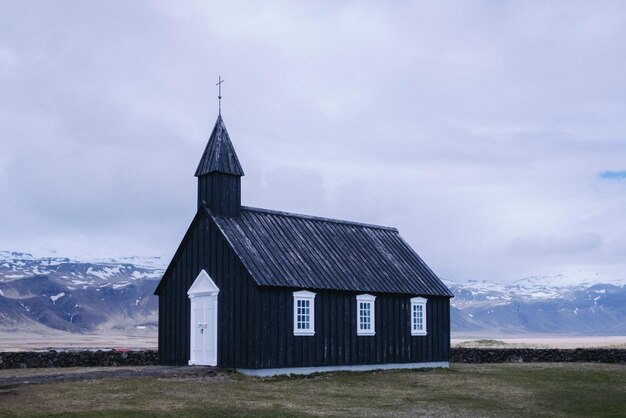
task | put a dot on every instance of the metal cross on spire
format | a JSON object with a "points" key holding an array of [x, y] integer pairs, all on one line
{"points": [[219, 94]]}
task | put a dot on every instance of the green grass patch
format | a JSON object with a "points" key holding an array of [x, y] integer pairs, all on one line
{"points": [[523, 390]]}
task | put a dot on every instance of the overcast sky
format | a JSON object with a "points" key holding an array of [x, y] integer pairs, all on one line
{"points": [[491, 134]]}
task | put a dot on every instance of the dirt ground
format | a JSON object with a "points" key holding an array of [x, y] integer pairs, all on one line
{"points": [[16, 377]]}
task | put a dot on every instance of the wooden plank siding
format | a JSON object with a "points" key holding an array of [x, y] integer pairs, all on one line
{"points": [[205, 248], [221, 192], [336, 342], [255, 323]]}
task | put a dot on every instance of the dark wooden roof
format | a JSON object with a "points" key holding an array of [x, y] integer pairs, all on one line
{"points": [[219, 154], [286, 249]]}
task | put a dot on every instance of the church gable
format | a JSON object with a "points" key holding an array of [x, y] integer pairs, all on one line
{"points": [[193, 231]]}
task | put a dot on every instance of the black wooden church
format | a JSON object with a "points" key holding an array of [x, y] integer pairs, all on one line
{"points": [[269, 292]]}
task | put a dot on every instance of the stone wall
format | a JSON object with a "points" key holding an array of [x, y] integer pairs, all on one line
{"points": [[29, 359], [528, 355], [52, 358]]}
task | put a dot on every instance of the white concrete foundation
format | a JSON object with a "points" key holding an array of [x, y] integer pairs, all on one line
{"points": [[351, 368]]}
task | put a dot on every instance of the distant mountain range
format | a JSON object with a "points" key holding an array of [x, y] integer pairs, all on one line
{"points": [[539, 305], [77, 296], [116, 294]]}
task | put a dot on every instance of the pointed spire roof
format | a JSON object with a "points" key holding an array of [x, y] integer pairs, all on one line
{"points": [[219, 154]]}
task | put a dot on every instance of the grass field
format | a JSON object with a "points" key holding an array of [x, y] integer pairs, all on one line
{"points": [[544, 341], [559, 389]]}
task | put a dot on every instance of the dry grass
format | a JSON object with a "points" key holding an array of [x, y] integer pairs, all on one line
{"points": [[561, 389], [43, 338], [544, 341], [48, 339]]}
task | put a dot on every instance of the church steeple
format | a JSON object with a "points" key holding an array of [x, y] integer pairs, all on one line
{"points": [[219, 154], [219, 174]]}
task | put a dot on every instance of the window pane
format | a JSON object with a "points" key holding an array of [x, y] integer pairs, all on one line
{"points": [[302, 314], [365, 314], [417, 317]]}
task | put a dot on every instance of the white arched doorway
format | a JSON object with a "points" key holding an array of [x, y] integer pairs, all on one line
{"points": [[203, 296]]}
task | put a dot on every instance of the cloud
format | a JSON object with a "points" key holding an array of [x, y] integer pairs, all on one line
{"points": [[483, 131], [549, 245], [8, 58]]}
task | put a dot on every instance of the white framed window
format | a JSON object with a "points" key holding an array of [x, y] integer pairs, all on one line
{"points": [[418, 316], [303, 313], [365, 315]]}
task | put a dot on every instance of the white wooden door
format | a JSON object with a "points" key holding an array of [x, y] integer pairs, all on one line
{"points": [[204, 330]]}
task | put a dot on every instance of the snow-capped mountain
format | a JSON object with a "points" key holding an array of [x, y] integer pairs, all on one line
{"points": [[475, 292], [547, 304], [118, 272], [77, 296], [99, 295]]}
